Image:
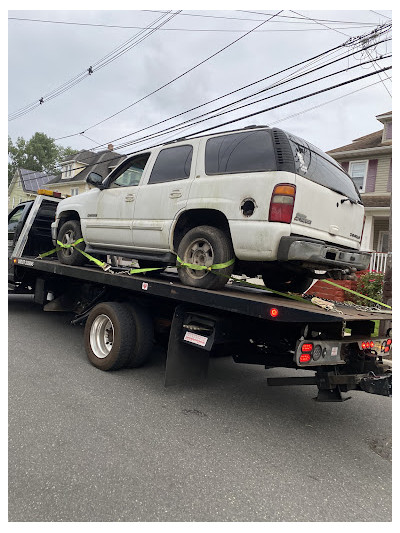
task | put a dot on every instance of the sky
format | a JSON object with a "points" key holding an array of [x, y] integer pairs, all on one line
{"points": [[42, 56]]}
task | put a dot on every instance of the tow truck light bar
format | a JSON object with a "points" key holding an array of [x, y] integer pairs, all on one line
{"points": [[54, 194]]}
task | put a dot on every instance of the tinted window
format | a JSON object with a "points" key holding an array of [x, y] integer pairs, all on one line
{"points": [[172, 164], [132, 171], [312, 163], [249, 151]]}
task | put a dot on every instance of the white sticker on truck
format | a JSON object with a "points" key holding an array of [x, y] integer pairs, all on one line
{"points": [[334, 351], [195, 339]]}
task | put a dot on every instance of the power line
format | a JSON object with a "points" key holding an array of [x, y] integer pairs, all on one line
{"points": [[256, 12], [237, 119], [335, 29], [240, 89], [354, 42], [101, 63], [325, 103], [380, 14], [173, 128], [183, 74], [221, 30]]}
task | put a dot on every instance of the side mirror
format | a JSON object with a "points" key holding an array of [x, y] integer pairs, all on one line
{"points": [[96, 180]]}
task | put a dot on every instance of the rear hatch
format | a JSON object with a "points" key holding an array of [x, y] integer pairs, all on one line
{"points": [[327, 205]]}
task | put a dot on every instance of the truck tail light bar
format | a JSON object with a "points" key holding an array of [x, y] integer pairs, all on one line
{"points": [[282, 203]]}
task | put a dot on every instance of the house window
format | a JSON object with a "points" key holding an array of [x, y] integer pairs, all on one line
{"points": [[383, 242], [74, 191], [358, 173]]}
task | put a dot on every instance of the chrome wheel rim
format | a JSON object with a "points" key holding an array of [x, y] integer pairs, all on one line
{"points": [[199, 252], [68, 238], [101, 336]]}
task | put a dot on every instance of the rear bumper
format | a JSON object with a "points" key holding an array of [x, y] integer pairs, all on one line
{"points": [[320, 253]]}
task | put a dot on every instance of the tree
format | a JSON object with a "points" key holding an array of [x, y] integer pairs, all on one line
{"points": [[39, 154]]}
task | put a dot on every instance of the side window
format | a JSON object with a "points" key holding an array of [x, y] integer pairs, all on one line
{"points": [[130, 174], [172, 164], [248, 151], [14, 219]]}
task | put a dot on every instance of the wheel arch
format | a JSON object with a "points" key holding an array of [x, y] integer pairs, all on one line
{"points": [[70, 214], [198, 217]]}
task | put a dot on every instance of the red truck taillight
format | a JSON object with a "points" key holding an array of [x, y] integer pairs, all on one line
{"points": [[282, 203]]}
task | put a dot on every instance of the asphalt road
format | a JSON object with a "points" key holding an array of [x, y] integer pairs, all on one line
{"points": [[86, 445]]}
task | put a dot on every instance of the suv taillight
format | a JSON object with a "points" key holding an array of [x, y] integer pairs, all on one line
{"points": [[282, 203]]}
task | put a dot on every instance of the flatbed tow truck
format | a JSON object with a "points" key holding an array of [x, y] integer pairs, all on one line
{"points": [[124, 315]]}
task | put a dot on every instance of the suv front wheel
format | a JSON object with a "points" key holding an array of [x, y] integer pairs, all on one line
{"points": [[205, 246], [70, 232]]}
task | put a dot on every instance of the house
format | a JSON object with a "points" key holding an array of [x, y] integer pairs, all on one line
{"points": [[75, 171], [24, 186], [368, 160]]}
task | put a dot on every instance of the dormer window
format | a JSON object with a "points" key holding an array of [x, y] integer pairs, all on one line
{"points": [[67, 172]]}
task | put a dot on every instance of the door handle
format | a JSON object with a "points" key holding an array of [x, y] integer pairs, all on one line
{"points": [[175, 193], [129, 198]]}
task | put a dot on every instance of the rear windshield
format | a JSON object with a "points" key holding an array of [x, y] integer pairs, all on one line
{"points": [[312, 163], [247, 151]]}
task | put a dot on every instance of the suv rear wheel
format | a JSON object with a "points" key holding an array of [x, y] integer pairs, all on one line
{"points": [[205, 246], [70, 232]]}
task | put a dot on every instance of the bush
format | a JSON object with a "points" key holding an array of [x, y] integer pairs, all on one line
{"points": [[371, 285]]}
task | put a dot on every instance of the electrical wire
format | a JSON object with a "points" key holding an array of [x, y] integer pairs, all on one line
{"points": [[354, 42], [183, 74], [282, 104], [151, 136], [101, 63], [335, 29], [281, 82], [221, 30]]}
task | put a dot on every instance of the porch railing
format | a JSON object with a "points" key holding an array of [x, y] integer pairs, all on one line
{"points": [[378, 262]]}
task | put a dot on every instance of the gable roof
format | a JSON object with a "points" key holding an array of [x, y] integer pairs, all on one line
{"points": [[32, 181], [100, 162], [372, 140]]}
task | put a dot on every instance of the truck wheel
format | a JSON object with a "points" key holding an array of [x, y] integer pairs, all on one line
{"points": [[276, 282], [70, 232], [143, 343], [205, 246], [109, 335]]}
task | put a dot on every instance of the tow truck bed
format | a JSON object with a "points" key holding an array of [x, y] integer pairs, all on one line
{"points": [[123, 314], [234, 298]]}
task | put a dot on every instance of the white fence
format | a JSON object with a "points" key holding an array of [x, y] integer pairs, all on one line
{"points": [[378, 261]]}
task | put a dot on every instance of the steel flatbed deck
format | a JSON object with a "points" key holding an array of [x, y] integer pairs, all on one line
{"points": [[233, 297]]}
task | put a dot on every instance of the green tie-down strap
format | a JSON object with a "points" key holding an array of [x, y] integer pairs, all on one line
{"points": [[74, 244], [218, 266], [203, 267], [356, 293]]}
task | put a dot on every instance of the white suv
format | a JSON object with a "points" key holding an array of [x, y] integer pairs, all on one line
{"points": [[273, 202]]}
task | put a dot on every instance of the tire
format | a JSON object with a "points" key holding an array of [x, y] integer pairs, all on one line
{"points": [[109, 335], [205, 245], [143, 343], [70, 232], [282, 283]]}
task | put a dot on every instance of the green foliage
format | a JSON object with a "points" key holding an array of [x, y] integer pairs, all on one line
{"points": [[40, 154], [370, 284]]}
